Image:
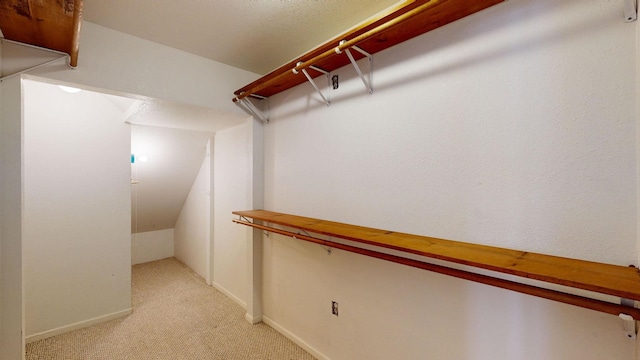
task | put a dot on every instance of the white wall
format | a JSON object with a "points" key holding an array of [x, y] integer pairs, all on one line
{"points": [[514, 127], [192, 230], [11, 341], [151, 246], [116, 61], [112, 61], [233, 179], [77, 209]]}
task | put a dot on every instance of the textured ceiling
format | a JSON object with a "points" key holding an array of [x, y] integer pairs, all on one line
{"points": [[257, 36]]}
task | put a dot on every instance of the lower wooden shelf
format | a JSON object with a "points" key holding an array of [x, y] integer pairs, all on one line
{"points": [[619, 281]]}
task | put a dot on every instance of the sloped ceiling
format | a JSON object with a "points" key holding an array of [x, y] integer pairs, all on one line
{"points": [[171, 138], [166, 164]]}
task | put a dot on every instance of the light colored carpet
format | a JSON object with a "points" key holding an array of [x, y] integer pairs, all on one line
{"points": [[175, 316]]}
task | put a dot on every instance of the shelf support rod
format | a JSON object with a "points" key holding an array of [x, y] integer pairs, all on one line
{"points": [[248, 106], [313, 83], [629, 323], [242, 218], [305, 233], [367, 84], [630, 10]]}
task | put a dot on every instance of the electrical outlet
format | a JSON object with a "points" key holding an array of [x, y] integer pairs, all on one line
{"points": [[334, 308]]}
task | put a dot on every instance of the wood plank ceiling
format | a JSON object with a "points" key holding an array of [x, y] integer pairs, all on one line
{"points": [[50, 24]]}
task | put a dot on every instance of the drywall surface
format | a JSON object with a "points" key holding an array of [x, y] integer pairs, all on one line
{"points": [[11, 209], [110, 61], [192, 231], [151, 246], [514, 127], [120, 62], [167, 162], [232, 189], [77, 205]]}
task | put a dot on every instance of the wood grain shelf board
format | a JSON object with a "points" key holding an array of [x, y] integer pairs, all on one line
{"points": [[442, 13], [50, 24], [603, 278]]}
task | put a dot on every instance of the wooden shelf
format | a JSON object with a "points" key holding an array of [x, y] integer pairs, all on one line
{"points": [[603, 278], [438, 13], [50, 24]]}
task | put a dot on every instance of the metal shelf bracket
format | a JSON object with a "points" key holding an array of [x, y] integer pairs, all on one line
{"points": [[367, 83], [264, 232], [629, 324], [630, 10], [327, 99], [252, 109], [628, 321]]}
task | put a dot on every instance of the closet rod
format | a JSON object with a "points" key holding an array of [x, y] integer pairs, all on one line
{"points": [[74, 48], [343, 45], [581, 301]]}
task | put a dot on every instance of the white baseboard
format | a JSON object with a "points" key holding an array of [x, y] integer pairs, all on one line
{"points": [[310, 349], [229, 295], [78, 325], [253, 319]]}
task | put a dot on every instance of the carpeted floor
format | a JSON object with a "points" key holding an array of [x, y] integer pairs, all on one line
{"points": [[175, 316]]}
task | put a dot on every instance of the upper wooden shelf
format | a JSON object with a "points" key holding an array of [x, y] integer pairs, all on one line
{"points": [[50, 24], [436, 13], [603, 278]]}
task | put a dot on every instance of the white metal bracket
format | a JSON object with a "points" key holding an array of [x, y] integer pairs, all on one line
{"points": [[629, 322], [326, 99], [265, 233], [367, 83], [630, 10], [326, 248], [252, 109]]}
